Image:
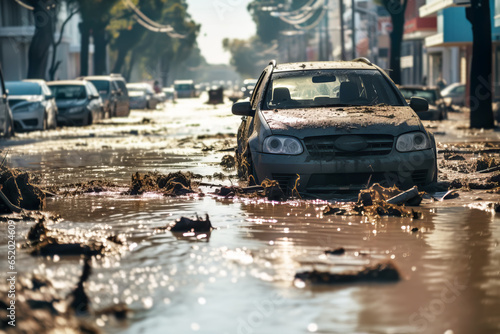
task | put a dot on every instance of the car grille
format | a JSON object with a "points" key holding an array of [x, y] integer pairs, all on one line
{"points": [[317, 182], [286, 181], [31, 122], [419, 177], [324, 146]]}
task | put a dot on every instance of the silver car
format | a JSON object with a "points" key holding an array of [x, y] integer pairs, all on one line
{"points": [[32, 104], [327, 126]]}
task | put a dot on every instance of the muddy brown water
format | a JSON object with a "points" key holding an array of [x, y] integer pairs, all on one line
{"points": [[239, 279]]}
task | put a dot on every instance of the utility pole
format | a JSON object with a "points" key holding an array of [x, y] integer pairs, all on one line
{"points": [[342, 33], [353, 27], [328, 51]]}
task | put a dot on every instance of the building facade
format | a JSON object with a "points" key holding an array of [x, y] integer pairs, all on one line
{"points": [[16, 31]]}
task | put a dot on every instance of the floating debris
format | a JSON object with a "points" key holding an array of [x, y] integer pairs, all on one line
{"points": [[228, 161], [17, 191], [374, 202], [49, 242], [337, 251], [380, 272], [185, 224], [173, 184]]}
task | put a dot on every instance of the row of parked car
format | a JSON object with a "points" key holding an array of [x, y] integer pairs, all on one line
{"points": [[39, 105]]}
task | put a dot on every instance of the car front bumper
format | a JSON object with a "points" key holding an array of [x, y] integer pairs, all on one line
{"points": [[77, 118], [28, 120], [346, 173]]}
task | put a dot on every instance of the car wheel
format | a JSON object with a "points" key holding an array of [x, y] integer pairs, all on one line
{"points": [[89, 119], [45, 122]]}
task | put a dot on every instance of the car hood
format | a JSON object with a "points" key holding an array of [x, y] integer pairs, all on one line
{"points": [[20, 101], [70, 103], [343, 120]]}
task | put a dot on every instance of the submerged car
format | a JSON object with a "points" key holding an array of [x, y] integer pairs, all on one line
{"points": [[78, 102], [142, 96], [327, 126], [32, 104], [437, 107]]}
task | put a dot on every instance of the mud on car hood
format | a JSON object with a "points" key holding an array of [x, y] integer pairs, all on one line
{"points": [[323, 121]]}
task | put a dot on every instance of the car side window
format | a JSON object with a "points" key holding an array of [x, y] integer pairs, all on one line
{"points": [[460, 90], [257, 92], [122, 86]]}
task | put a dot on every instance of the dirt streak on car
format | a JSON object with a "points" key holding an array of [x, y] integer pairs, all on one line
{"points": [[339, 125]]}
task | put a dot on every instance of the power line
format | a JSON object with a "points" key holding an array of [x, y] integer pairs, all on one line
{"points": [[25, 5], [149, 24]]}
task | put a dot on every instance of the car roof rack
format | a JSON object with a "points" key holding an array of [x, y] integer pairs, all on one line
{"points": [[363, 60], [273, 62]]}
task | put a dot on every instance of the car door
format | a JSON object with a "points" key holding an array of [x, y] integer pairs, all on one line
{"points": [[124, 108]]}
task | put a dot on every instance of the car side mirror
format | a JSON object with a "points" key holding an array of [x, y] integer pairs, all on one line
{"points": [[243, 109], [94, 97], [419, 104]]}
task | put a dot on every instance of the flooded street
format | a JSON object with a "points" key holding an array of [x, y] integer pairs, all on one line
{"points": [[239, 278]]}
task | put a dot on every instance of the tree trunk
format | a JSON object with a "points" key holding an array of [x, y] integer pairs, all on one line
{"points": [[480, 94], [42, 40], [84, 53], [397, 11], [120, 61], [100, 44]]}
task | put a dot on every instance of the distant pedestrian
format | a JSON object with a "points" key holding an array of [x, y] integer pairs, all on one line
{"points": [[441, 83], [157, 87]]}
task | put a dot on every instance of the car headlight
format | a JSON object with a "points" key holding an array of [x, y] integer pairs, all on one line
{"points": [[75, 110], [413, 141], [282, 145], [34, 106]]}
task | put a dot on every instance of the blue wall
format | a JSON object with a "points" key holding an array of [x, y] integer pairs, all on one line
{"points": [[455, 27]]}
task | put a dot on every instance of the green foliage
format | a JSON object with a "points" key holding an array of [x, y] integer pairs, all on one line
{"points": [[269, 27], [249, 57]]}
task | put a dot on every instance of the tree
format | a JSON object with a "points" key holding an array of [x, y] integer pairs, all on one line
{"points": [[38, 54], [96, 15], [480, 93], [396, 9], [54, 64]]}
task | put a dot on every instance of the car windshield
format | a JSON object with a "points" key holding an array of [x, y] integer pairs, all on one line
{"points": [[324, 88], [102, 86], [68, 92], [23, 88], [429, 95]]}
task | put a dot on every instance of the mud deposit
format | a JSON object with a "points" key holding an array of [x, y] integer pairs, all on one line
{"points": [[144, 261]]}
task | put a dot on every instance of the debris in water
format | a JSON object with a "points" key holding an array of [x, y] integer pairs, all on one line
{"points": [[185, 224], [337, 251], [228, 161], [374, 202], [49, 242], [17, 191], [173, 184], [380, 272]]}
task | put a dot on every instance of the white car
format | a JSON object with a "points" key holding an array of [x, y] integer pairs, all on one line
{"points": [[33, 105]]}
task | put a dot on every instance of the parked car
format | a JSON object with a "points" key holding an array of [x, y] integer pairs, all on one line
{"points": [[142, 96], [454, 95], [6, 119], [78, 102], [170, 94], [32, 104], [437, 107], [184, 88], [114, 94], [338, 125]]}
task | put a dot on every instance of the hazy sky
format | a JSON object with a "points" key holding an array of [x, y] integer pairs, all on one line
{"points": [[220, 19]]}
